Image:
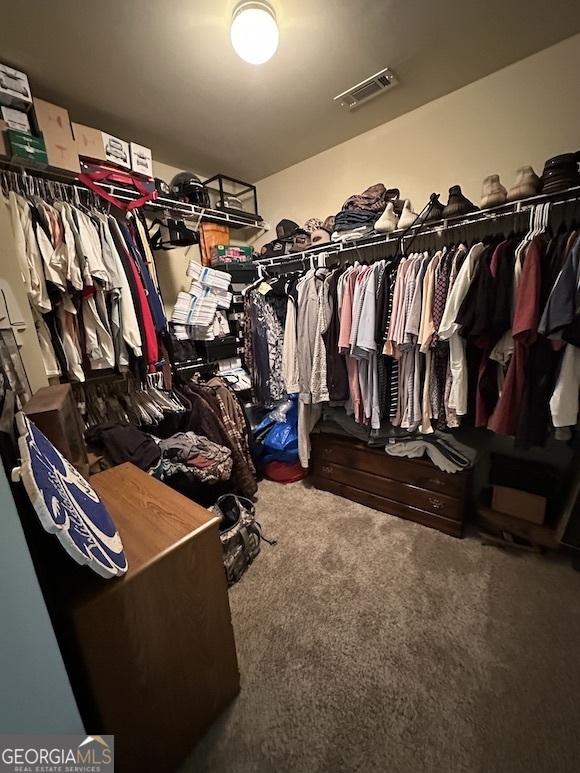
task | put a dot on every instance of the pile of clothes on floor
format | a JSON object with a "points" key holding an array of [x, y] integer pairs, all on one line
{"points": [[184, 452], [203, 452]]}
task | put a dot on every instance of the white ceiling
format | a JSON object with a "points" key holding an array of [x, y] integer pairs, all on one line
{"points": [[163, 73]]}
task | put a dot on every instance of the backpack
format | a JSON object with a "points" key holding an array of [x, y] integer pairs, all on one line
{"points": [[240, 534]]}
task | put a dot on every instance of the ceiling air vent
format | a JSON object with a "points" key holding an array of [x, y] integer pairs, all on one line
{"points": [[367, 89]]}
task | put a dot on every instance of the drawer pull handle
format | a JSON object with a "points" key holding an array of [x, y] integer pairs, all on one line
{"points": [[432, 482], [436, 504], [327, 469]]}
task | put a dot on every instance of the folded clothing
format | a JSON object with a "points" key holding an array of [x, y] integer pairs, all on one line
{"points": [[353, 218], [351, 236], [443, 449], [125, 443]]}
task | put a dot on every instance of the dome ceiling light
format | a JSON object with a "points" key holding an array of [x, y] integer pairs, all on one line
{"points": [[254, 32]]}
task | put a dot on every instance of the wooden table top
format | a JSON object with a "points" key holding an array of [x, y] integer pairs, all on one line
{"points": [[150, 517]]}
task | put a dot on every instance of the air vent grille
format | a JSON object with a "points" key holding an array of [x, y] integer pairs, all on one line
{"points": [[367, 89]]}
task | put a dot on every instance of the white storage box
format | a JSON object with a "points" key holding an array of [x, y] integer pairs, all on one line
{"points": [[116, 151], [141, 160], [16, 119], [14, 88]]}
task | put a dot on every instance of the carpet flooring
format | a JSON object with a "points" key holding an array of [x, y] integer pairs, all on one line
{"points": [[367, 643]]}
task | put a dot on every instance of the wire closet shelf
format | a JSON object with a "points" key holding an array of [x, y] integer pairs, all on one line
{"points": [[436, 228], [34, 181]]}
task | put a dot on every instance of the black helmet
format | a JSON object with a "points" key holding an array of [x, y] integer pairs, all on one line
{"points": [[185, 186]]}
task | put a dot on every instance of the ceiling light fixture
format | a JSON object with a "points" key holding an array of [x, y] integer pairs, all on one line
{"points": [[254, 32]]}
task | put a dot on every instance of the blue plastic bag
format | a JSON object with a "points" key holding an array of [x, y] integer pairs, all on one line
{"points": [[280, 444]]}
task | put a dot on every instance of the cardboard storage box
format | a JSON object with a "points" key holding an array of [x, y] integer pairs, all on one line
{"points": [[26, 149], [89, 142], [141, 160], [54, 123], [100, 146], [14, 88], [519, 504], [16, 119]]}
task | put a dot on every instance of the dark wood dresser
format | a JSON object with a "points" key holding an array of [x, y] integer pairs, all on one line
{"points": [[414, 489]]}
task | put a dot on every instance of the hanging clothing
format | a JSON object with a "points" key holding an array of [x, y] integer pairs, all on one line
{"points": [[488, 334]]}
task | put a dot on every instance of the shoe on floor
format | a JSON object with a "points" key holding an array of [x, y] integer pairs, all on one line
{"points": [[527, 184], [408, 217], [493, 192], [388, 221], [458, 204]]}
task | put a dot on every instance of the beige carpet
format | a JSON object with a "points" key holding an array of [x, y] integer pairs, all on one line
{"points": [[367, 643]]}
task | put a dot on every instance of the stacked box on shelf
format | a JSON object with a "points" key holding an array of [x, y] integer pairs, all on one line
{"points": [[226, 255]]}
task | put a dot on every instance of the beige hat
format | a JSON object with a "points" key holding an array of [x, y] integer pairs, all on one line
{"points": [[408, 217], [320, 236], [388, 221], [527, 184], [493, 192]]}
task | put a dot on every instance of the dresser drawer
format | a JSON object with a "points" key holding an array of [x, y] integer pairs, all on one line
{"points": [[446, 525], [416, 472], [405, 493]]}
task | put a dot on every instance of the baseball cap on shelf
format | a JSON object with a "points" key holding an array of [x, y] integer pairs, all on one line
{"points": [[273, 249], [301, 241], [328, 224], [313, 224], [286, 229]]}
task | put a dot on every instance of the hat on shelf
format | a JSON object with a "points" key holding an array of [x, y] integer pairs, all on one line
{"points": [[527, 184], [286, 229], [388, 221], [320, 236], [301, 241], [328, 224], [560, 173], [458, 204], [374, 198], [493, 192], [274, 249], [408, 217], [312, 224]]}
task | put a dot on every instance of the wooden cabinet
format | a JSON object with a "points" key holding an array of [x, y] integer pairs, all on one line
{"points": [[414, 489], [156, 647]]}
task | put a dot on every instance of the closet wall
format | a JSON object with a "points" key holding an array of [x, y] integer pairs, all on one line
{"points": [[36, 693], [172, 265], [522, 114]]}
